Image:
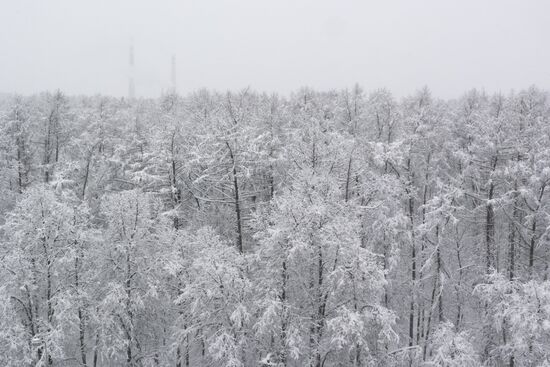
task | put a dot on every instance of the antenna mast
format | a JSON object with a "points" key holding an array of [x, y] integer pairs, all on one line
{"points": [[131, 85], [173, 75]]}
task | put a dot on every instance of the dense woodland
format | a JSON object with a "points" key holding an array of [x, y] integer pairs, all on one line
{"points": [[340, 228]]}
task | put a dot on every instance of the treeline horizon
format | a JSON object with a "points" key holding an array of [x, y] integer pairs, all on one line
{"points": [[235, 229], [169, 91]]}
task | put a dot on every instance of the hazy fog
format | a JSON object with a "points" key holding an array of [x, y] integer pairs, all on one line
{"points": [[451, 46]]}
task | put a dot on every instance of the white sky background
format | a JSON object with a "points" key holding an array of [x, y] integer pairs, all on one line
{"points": [[81, 46]]}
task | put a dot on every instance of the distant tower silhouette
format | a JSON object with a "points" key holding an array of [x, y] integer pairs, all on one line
{"points": [[131, 86], [173, 75]]}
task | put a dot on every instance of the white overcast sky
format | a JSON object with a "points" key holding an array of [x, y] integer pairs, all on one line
{"points": [[81, 46]]}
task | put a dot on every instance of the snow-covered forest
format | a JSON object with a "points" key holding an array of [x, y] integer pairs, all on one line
{"points": [[340, 228]]}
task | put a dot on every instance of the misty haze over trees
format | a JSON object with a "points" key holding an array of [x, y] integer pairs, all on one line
{"points": [[340, 228]]}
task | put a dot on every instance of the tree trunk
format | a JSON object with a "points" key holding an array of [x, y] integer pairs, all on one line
{"points": [[81, 325], [236, 202], [283, 354], [86, 173], [348, 175], [489, 231], [532, 242], [413, 272]]}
